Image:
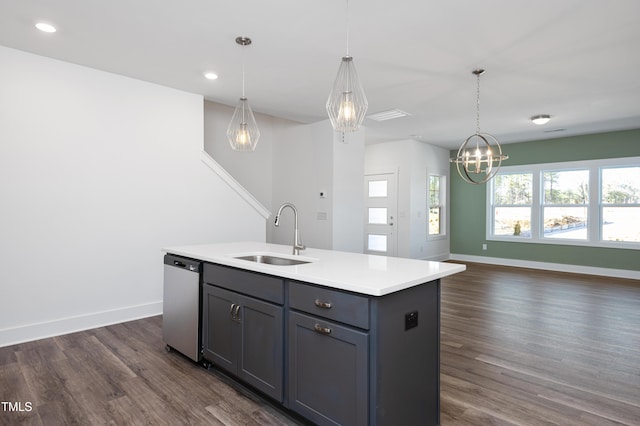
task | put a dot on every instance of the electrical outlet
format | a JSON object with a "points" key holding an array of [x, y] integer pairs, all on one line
{"points": [[484, 247], [410, 320]]}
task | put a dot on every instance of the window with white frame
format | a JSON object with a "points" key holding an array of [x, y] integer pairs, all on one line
{"points": [[512, 204], [565, 203], [594, 203], [620, 204], [436, 206]]}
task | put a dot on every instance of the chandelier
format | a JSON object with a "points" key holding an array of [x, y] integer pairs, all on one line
{"points": [[480, 156]]}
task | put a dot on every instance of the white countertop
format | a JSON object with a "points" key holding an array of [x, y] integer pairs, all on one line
{"points": [[356, 272]]}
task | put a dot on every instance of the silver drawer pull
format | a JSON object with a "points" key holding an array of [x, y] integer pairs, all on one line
{"points": [[322, 330], [324, 305]]}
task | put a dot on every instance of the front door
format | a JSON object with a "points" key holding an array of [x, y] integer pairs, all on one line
{"points": [[381, 205]]}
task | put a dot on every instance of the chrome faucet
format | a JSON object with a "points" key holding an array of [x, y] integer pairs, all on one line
{"points": [[297, 245]]}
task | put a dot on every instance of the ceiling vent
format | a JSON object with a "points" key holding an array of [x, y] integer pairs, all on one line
{"points": [[388, 115]]}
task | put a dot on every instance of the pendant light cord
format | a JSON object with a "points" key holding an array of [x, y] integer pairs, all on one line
{"points": [[347, 27], [478, 105], [243, 46]]}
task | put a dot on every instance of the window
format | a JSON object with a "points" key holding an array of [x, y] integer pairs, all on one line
{"points": [[565, 203], [377, 215], [377, 243], [512, 200], [436, 205], [594, 203], [620, 204], [377, 188]]}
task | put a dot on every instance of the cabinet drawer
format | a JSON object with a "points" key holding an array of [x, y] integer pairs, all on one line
{"points": [[332, 304], [261, 286]]}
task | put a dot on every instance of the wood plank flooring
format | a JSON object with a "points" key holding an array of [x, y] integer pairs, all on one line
{"points": [[528, 347], [519, 347]]}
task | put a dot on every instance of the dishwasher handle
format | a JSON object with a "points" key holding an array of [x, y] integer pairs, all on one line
{"points": [[185, 263]]}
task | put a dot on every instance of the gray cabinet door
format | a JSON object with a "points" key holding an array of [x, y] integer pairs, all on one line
{"points": [[261, 360], [245, 336], [328, 371], [220, 331]]}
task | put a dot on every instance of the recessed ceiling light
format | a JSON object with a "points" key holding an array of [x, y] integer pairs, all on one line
{"points": [[540, 119], [44, 27], [210, 75]]}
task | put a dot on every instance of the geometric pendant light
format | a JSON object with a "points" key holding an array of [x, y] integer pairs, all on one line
{"points": [[243, 132], [480, 155], [347, 103]]}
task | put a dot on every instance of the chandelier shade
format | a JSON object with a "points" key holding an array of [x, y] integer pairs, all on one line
{"points": [[480, 156], [243, 132], [347, 103]]}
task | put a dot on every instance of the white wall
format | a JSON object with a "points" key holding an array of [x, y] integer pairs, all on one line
{"points": [[413, 161], [295, 162], [427, 159], [302, 168], [309, 159], [348, 191], [97, 173]]}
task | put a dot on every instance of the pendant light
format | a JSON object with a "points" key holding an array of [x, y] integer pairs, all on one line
{"points": [[480, 156], [347, 103], [243, 132]]}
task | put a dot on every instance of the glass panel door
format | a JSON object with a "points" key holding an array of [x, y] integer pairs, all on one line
{"points": [[380, 214]]}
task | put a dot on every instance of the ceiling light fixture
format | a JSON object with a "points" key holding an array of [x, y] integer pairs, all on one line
{"points": [[46, 28], [243, 132], [210, 75], [477, 160], [347, 103], [541, 119]]}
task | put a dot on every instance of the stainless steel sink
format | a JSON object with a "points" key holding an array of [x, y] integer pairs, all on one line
{"points": [[272, 260]]}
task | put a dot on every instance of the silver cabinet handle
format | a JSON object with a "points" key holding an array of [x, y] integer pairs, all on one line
{"points": [[233, 306], [322, 330], [234, 311], [324, 305]]}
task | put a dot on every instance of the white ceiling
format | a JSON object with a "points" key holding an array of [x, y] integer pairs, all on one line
{"points": [[576, 60]]}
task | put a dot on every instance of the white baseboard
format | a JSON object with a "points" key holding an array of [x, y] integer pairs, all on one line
{"points": [[30, 332], [576, 269]]}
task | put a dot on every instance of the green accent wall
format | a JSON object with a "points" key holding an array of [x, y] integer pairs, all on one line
{"points": [[468, 203]]}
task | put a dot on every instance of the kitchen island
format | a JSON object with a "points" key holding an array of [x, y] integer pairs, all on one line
{"points": [[340, 338]]}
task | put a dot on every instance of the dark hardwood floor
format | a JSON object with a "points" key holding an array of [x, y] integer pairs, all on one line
{"points": [[530, 347], [519, 347]]}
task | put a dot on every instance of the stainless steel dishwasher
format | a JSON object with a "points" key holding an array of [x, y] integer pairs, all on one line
{"points": [[181, 317]]}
